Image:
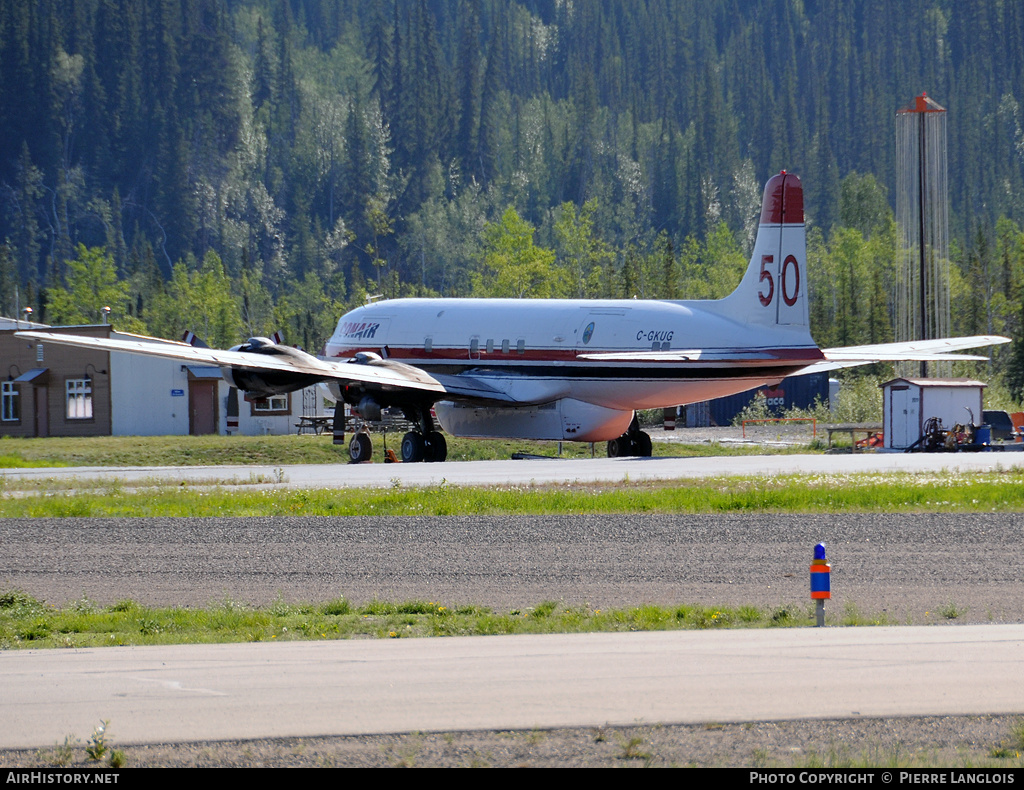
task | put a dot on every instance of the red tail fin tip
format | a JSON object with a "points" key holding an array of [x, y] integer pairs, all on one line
{"points": [[783, 201]]}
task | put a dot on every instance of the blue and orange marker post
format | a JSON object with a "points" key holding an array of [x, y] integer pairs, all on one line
{"points": [[821, 583]]}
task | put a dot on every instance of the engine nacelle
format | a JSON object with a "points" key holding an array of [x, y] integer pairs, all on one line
{"points": [[258, 382], [368, 409], [561, 420], [264, 383]]}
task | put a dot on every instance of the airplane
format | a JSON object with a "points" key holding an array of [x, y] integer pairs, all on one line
{"points": [[557, 369]]}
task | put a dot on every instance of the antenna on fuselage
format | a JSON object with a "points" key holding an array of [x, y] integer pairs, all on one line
{"points": [[372, 299]]}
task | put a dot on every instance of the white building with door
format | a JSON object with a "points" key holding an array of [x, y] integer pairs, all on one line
{"points": [[51, 390], [907, 404]]}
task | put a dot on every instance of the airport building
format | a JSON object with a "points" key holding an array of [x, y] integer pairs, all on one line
{"points": [[51, 390]]}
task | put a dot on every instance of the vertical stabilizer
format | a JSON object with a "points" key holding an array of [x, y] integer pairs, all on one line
{"points": [[773, 291]]}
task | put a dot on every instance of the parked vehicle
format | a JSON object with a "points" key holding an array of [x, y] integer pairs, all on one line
{"points": [[1001, 424]]}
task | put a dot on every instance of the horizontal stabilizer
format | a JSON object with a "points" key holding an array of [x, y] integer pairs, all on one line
{"points": [[938, 350]]}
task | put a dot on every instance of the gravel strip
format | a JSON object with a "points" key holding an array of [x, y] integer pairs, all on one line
{"points": [[897, 568], [962, 742]]}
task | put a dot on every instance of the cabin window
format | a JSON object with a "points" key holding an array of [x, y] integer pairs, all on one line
{"points": [[504, 346], [78, 399], [490, 345], [474, 346], [9, 409], [428, 344], [520, 346]]}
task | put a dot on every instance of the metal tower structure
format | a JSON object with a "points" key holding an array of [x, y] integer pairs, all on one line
{"points": [[922, 214]]}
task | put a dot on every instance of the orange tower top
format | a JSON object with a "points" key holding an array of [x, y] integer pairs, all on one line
{"points": [[923, 104]]}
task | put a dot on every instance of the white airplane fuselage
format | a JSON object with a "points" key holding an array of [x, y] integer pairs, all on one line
{"points": [[529, 347], [531, 351]]}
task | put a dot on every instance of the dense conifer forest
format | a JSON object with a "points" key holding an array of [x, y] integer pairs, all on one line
{"points": [[239, 166]]}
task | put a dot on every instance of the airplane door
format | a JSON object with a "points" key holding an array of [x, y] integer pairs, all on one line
{"points": [[603, 329]]}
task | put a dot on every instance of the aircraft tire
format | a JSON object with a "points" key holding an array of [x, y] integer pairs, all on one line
{"points": [[642, 445], [414, 448], [360, 448], [619, 448], [437, 447]]}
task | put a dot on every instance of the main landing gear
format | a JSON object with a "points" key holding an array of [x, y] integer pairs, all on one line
{"points": [[424, 444], [633, 442], [417, 447]]}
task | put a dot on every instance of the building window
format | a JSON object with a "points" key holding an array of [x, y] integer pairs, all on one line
{"points": [[79, 399], [9, 409], [274, 405]]}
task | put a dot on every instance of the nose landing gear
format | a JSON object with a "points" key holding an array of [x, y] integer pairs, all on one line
{"points": [[360, 449]]}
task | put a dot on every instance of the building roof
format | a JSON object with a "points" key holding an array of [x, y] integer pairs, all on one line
{"points": [[949, 383]]}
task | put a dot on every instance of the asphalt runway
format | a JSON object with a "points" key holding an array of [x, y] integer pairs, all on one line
{"points": [[350, 687], [897, 569], [526, 472]]}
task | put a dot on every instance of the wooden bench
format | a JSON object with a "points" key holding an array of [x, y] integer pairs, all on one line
{"points": [[869, 429]]}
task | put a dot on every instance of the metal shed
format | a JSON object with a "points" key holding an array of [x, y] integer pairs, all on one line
{"points": [[907, 404]]}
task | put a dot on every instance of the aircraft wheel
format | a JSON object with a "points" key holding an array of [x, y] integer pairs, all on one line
{"points": [[413, 448], [619, 448], [642, 445], [360, 448], [437, 447]]}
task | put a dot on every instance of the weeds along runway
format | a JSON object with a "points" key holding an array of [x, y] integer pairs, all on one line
{"points": [[909, 568]]}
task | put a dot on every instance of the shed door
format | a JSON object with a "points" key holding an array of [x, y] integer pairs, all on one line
{"points": [[905, 411]]}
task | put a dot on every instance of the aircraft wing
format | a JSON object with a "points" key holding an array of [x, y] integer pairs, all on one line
{"points": [[473, 388], [386, 374], [938, 350]]}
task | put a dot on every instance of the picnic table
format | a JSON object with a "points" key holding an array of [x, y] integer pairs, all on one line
{"points": [[317, 423]]}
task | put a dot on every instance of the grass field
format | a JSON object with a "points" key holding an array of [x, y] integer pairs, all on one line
{"points": [[904, 493], [28, 623]]}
